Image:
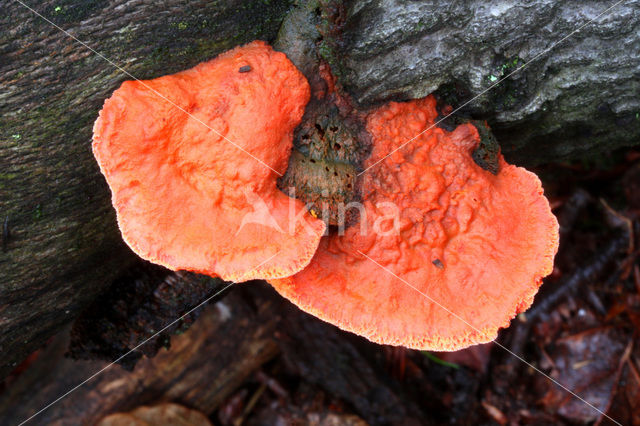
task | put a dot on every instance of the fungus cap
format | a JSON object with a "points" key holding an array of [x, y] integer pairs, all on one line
{"points": [[198, 191], [475, 244]]}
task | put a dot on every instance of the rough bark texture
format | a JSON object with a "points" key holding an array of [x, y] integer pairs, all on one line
{"points": [[60, 243], [580, 99], [145, 298], [331, 359], [204, 365]]}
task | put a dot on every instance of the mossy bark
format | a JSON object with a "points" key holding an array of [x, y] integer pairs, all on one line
{"points": [[60, 243]]}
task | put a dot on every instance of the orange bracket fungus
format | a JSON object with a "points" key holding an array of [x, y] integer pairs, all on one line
{"points": [[192, 161], [448, 244], [445, 252]]}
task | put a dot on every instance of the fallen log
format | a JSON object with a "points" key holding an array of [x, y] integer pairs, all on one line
{"points": [[60, 244]]}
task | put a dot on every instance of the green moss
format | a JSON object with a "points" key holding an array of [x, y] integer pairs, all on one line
{"points": [[508, 101], [68, 11], [505, 68], [325, 51], [37, 212], [507, 93], [327, 10], [511, 64]]}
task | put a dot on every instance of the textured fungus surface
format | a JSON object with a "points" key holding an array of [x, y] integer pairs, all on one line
{"points": [[475, 243], [185, 196]]}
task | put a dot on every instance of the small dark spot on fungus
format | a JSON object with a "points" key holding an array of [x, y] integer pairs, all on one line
{"points": [[438, 263], [245, 68]]}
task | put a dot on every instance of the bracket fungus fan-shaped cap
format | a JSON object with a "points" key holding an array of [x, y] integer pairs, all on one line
{"points": [[192, 161], [473, 244]]}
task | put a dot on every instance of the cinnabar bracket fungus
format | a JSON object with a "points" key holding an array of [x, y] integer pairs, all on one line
{"points": [[192, 161], [442, 253], [475, 245]]}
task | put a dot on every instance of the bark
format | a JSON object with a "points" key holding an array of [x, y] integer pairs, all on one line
{"points": [[579, 100], [204, 366], [60, 243], [146, 297], [338, 363]]}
